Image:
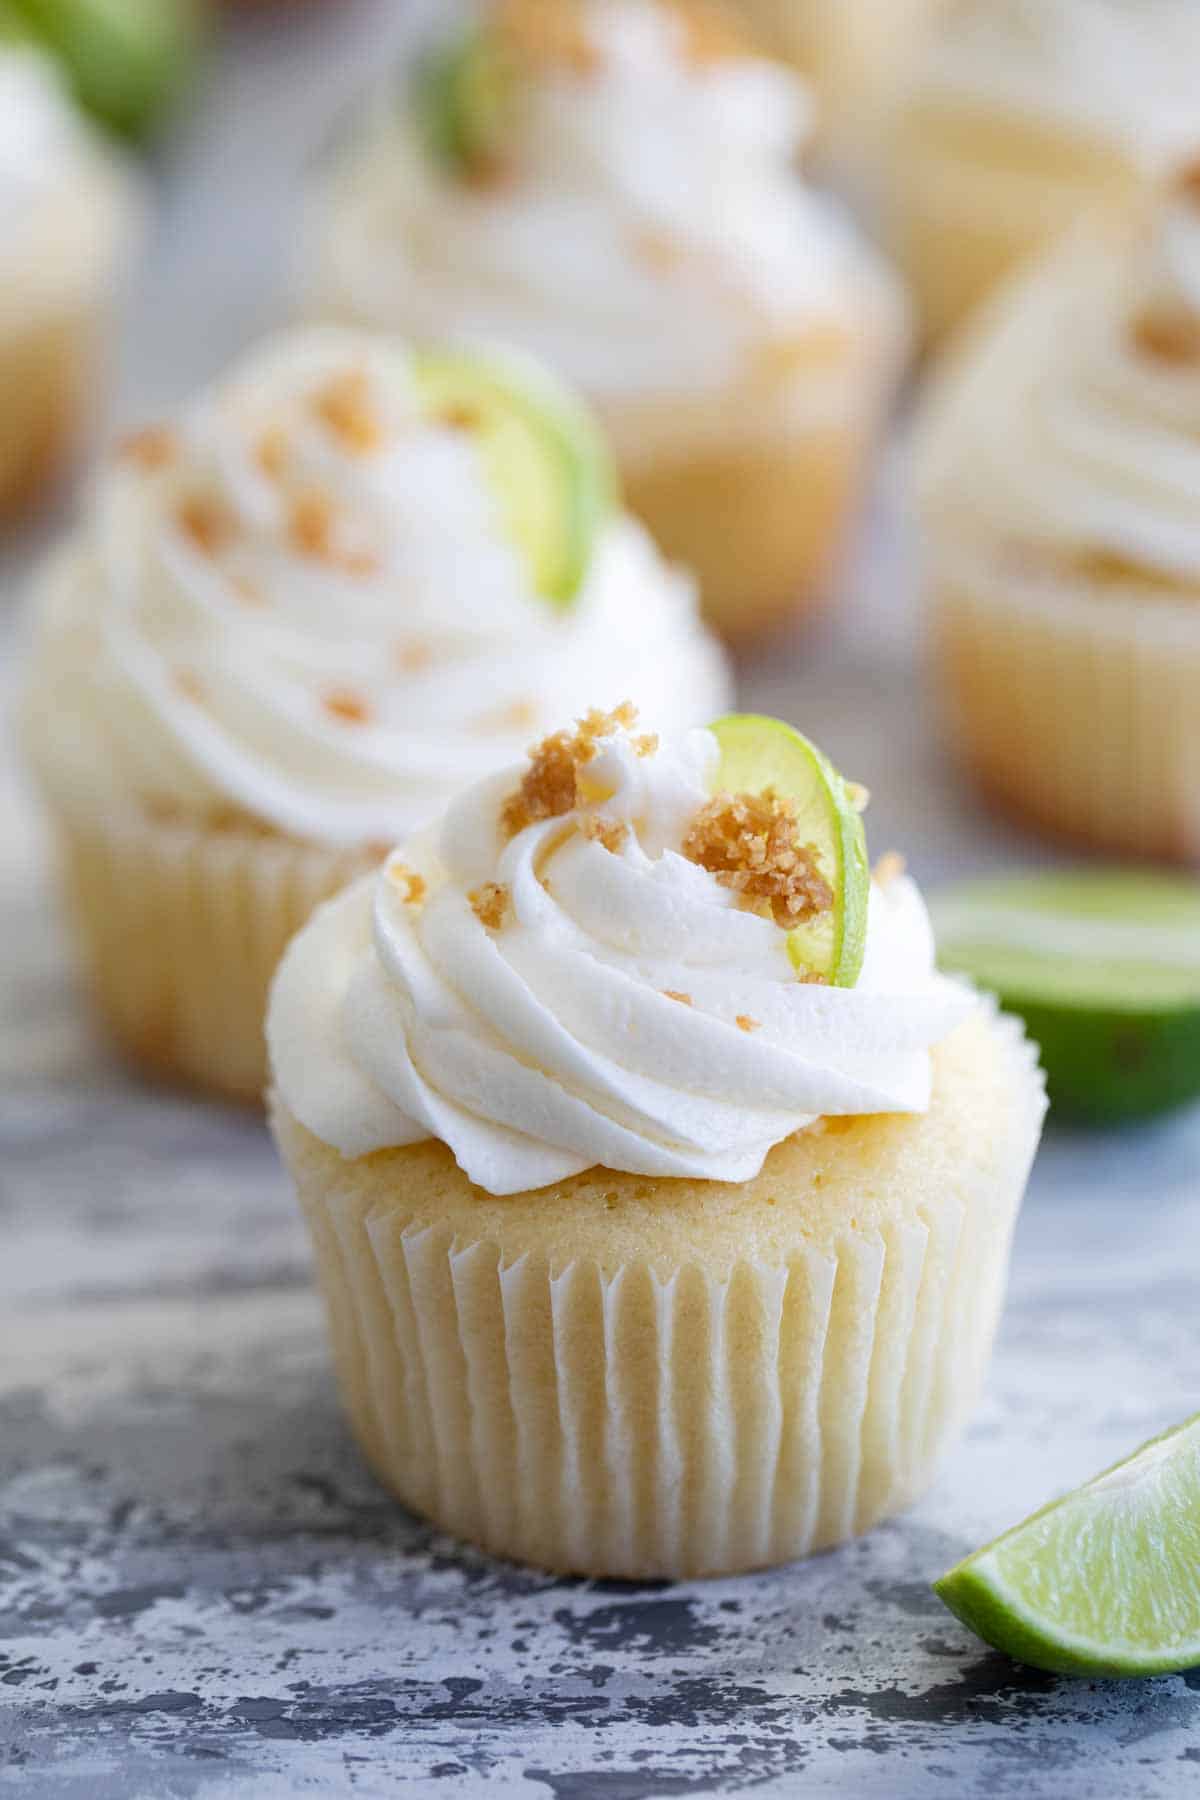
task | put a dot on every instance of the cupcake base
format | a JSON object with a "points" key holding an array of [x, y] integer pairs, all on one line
{"points": [[180, 926], [625, 1377], [1076, 709]]}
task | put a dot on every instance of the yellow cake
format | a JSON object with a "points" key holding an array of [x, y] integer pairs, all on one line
{"points": [[290, 625], [1057, 466], [614, 184], [647, 1249]]}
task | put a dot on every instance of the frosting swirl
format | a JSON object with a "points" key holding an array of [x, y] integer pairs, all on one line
{"points": [[1070, 429], [579, 993], [650, 237], [300, 604]]}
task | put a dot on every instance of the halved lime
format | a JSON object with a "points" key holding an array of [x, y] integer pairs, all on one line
{"points": [[543, 456], [1104, 967], [465, 96], [760, 755], [128, 60], [1105, 1581]]}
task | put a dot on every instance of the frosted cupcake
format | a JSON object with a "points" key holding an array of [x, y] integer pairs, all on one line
{"points": [[344, 584], [661, 1190], [612, 183], [68, 211], [1058, 468], [1021, 115]]}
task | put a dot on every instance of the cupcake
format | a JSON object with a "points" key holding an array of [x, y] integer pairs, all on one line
{"points": [[661, 1191], [1022, 114], [291, 625], [68, 209], [1057, 474], [612, 184]]}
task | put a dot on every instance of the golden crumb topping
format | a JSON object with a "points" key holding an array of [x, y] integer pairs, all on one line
{"points": [[489, 903], [310, 524], [247, 590], [412, 886], [153, 447], [189, 684], [412, 658], [748, 841], [550, 785], [347, 706], [612, 833], [1168, 334], [710, 33], [343, 404], [271, 452], [889, 868], [656, 250], [746, 1023], [548, 34], [206, 521], [683, 999]]}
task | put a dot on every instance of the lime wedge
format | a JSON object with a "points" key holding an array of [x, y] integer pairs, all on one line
{"points": [[543, 458], [1103, 1582], [1104, 967], [128, 60], [761, 755], [465, 98]]}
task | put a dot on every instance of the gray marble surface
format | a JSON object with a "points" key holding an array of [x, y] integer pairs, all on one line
{"points": [[202, 1591]]}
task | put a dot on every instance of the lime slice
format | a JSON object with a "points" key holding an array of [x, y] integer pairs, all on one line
{"points": [[760, 755], [465, 100], [1103, 1582], [1104, 967], [127, 60], [543, 457]]}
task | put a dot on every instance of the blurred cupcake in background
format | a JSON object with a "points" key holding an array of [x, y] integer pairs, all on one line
{"points": [[1021, 114], [1058, 476], [345, 583], [69, 213], [612, 184]]}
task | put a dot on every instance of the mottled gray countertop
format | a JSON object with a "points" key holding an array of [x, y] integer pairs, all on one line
{"points": [[203, 1592]]}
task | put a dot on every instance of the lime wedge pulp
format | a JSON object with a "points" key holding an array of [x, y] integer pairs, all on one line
{"points": [[543, 458], [1104, 967], [1103, 1582], [128, 60], [760, 755]]}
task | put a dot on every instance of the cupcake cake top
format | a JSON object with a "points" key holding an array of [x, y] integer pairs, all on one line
{"points": [[656, 957], [1118, 73], [1069, 427], [346, 583], [609, 182]]}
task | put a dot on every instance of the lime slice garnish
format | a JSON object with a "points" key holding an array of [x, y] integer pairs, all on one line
{"points": [[127, 60], [760, 755], [1103, 1582], [465, 96], [543, 458], [1104, 967]]}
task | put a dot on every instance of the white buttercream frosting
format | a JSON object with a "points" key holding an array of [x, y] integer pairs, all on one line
{"points": [[651, 239], [1071, 424], [595, 1020], [333, 637], [1120, 73]]}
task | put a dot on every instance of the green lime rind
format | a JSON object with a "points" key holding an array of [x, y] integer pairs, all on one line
{"points": [[1104, 968], [544, 459], [464, 97], [760, 753], [1106, 1580], [128, 61]]}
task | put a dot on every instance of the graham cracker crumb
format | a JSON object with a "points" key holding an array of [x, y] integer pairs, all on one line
{"points": [[612, 833], [683, 999], [1187, 182], [247, 590], [656, 250], [343, 404], [549, 34], [489, 903], [710, 33], [346, 705], [889, 868], [647, 744], [271, 452], [310, 524], [1169, 335], [550, 787], [746, 1023], [748, 841], [459, 415], [412, 658], [363, 563], [206, 521], [189, 684], [153, 447], [412, 886]]}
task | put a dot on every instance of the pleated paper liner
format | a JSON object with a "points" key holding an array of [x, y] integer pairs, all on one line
{"points": [[1078, 711], [695, 1412], [180, 927]]}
